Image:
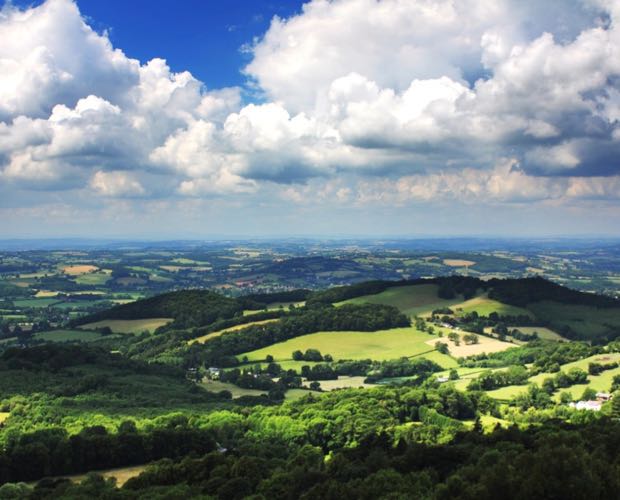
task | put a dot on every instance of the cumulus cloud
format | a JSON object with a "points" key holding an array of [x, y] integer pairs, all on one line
{"points": [[116, 184], [361, 100]]}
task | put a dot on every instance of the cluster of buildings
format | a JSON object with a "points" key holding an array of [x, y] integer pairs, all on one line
{"points": [[592, 405]]}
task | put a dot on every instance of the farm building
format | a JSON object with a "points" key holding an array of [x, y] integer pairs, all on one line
{"points": [[587, 405]]}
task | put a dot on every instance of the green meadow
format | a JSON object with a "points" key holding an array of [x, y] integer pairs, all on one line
{"points": [[67, 336], [413, 300], [380, 345], [235, 328], [129, 325]]}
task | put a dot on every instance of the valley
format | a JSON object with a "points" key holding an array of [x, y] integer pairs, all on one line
{"points": [[164, 376]]}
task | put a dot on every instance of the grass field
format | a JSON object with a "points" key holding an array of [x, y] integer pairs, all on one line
{"points": [[67, 336], [484, 345], [122, 474], [293, 394], [237, 392], [485, 306], [411, 299], [44, 302], [76, 270], [273, 306], [585, 320], [600, 382], [458, 262], [95, 279], [343, 382], [235, 328], [129, 325], [381, 345], [543, 333], [45, 294], [4, 415]]}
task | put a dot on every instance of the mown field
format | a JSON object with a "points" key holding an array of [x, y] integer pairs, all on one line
{"points": [[380, 345], [485, 306], [237, 392], [543, 332], [129, 325], [485, 345], [235, 328], [67, 336], [414, 300]]}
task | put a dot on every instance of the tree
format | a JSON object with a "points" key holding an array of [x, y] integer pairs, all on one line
{"points": [[471, 338], [269, 358], [589, 394], [298, 355], [312, 355], [315, 386], [442, 347], [548, 385], [454, 375]]}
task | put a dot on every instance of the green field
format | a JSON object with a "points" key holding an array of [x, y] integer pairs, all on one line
{"points": [[343, 382], [543, 333], [237, 392], [14, 317], [121, 474], [585, 320], [413, 300], [381, 345], [600, 382], [129, 325], [67, 336], [235, 328], [485, 306], [274, 306], [293, 394], [96, 279], [46, 302]]}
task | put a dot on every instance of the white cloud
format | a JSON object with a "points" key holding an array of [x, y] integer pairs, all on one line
{"points": [[427, 94], [116, 184], [50, 56]]}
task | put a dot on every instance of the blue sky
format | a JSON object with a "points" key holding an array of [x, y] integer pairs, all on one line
{"points": [[202, 36], [342, 117]]}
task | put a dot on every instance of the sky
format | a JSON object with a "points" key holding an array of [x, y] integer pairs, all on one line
{"points": [[202, 119]]}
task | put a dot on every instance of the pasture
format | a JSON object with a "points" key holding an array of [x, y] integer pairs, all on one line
{"points": [[204, 338], [414, 300], [585, 320], [42, 302], [77, 269], [458, 262], [135, 326], [121, 474], [67, 336], [485, 345], [94, 278], [381, 345], [343, 382], [600, 382], [543, 332], [237, 392], [484, 306]]}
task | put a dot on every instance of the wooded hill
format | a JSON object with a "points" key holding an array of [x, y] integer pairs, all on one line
{"points": [[202, 308]]}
